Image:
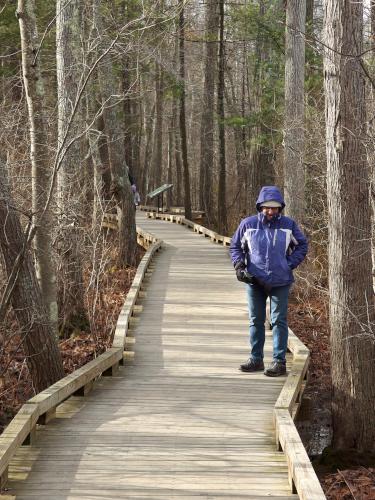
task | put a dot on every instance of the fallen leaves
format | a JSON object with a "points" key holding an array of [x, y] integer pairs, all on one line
{"points": [[357, 484]]}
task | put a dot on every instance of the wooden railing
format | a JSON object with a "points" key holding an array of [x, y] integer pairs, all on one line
{"points": [[42, 407], [302, 477], [196, 214]]}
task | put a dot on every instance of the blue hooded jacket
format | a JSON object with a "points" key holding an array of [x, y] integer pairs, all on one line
{"points": [[270, 249]]}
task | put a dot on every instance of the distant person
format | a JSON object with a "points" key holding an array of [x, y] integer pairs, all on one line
{"points": [[265, 249], [131, 178], [136, 197]]}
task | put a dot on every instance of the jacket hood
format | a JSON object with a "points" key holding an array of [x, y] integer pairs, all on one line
{"points": [[268, 193]]}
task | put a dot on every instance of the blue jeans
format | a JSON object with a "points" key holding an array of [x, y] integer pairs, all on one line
{"points": [[257, 298]]}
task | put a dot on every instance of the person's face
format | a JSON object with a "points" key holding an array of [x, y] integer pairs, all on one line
{"points": [[270, 212]]}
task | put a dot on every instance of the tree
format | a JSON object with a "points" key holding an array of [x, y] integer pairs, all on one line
{"points": [[309, 15], [371, 128], [39, 154], [350, 282], [70, 280], [120, 185], [259, 164], [178, 188], [221, 202], [157, 159], [294, 172], [185, 163], [38, 338], [207, 120], [148, 128], [94, 151]]}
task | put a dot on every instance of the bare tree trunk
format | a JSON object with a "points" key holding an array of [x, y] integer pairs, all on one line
{"points": [[350, 282], [170, 165], [237, 107], [259, 166], [127, 12], [129, 133], [94, 132], [39, 154], [178, 187], [72, 312], [294, 171], [120, 185], [243, 140], [93, 138], [221, 202], [309, 12], [187, 198], [371, 132], [39, 340], [157, 158], [145, 174], [207, 124], [178, 191]]}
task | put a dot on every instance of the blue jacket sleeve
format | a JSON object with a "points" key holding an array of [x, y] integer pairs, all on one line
{"points": [[300, 246], [236, 249]]}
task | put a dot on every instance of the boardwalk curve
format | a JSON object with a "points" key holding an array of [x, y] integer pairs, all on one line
{"points": [[180, 421]]}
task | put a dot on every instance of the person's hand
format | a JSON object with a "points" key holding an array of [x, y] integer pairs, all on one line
{"points": [[243, 275]]}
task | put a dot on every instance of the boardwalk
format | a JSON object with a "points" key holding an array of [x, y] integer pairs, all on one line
{"points": [[180, 421]]}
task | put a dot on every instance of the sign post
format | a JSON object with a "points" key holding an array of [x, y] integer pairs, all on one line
{"points": [[159, 194]]}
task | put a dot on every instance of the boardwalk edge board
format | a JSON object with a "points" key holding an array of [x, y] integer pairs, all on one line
{"points": [[41, 408], [302, 477]]}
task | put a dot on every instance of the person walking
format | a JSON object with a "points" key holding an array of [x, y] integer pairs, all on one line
{"points": [[265, 249], [136, 197]]}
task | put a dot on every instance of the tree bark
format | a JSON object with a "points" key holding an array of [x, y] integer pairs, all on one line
{"points": [[235, 99], [350, 282], [177, 155], [39, 341], [186, 173], [39, 154], [260, 168], [207, 124], [145, 174], [221, 202], [371, 130], [129, 133], [157, 158], [294, 171], [170, 165], [93, 139], [309, 14], [72, 314], [120, 185], [178, 188]]}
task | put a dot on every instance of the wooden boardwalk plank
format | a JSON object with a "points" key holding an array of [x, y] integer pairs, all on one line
{"points": [[180, 421]]}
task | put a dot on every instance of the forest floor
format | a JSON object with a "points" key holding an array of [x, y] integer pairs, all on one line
{"points": [[341, 479]]}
